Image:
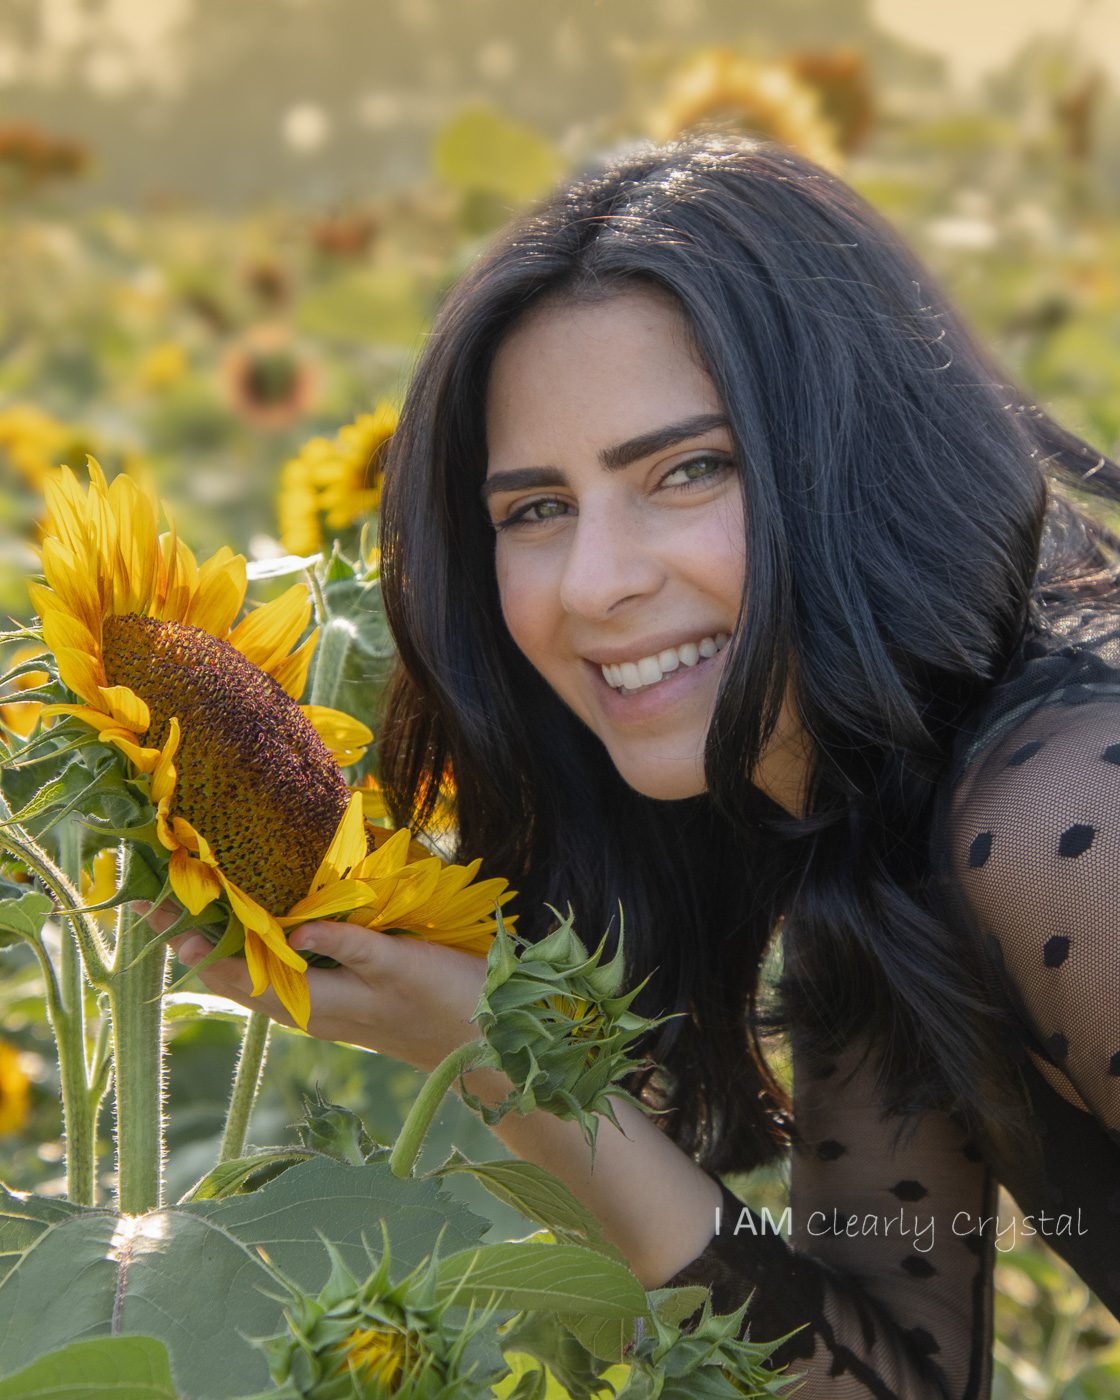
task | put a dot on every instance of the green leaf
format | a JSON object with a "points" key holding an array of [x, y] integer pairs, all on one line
{"points": [[197, 1275], [128, 1368], [482, 149], [548, 1340], [245, 1174], [539, 1196], [563, 1278], [23, 918]]}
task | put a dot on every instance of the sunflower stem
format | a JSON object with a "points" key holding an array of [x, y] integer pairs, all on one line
{"points": [[336, 637], [136, 1009], [246, 1084], [79, 1104], [433, 1091]]}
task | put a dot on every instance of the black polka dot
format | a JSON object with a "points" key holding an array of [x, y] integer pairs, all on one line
{"points": [[1055, 950], [1022, 754], [1114, 1063], [971, 1150], [1112, 754], [973, 1242], [980, 850], [909, 1190], [830, 1149], [1076, 839], [917, 1267], [923, 1341], [1058, 1045]]}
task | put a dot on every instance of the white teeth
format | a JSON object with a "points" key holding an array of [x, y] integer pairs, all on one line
{"points": [[631, 676], [648, 670]]}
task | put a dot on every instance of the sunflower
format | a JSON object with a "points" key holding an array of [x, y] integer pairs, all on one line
{"points": [[250, 802], [15, 1090], [334, 481], [34, 442], [21, 716], [720, 86], [268, 381]]}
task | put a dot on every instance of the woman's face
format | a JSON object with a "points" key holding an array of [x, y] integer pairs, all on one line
{"points": [[619, 526]]}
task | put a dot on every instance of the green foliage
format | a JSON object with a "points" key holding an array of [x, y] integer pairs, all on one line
{"points": [[200, 1275], [108, 1368]]}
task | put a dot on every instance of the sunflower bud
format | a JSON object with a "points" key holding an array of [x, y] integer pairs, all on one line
{"points": [[376, 1338], [708, 1362], [560, 1025]]}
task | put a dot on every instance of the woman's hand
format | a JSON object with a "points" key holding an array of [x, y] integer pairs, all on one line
{"points": [[393, 993]]}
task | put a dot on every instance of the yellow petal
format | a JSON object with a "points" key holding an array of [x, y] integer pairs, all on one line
{"points": [[81, 674], [259, 921], [142, 759], [339, 898], [256, 961], [221, 589], [164, 777], [126, 707], [60, 629], [136, 548], [291, 673], [388, 859], [196, 886], [347, 847], [342, 734], [290, 986], [267, 635]]}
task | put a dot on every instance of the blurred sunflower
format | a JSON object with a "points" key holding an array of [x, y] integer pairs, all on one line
{"points": [[21, 716], [15, 1090], [268, 382], [162, 367], [250, 802], [334, 481], [35, 443], [720, 86], [99, 883]]}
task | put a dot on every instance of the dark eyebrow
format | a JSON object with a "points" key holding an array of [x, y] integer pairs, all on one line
{"points": [[612, 459]]}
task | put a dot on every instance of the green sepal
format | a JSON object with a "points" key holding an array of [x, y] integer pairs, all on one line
{"points": [[230, 943]]}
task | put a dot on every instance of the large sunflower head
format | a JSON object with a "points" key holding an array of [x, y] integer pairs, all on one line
{"points": [[251, 805]]}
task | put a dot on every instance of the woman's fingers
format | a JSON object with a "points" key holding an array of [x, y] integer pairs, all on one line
{"points": [[362, 950]]}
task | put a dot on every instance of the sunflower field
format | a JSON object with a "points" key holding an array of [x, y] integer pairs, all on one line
{"points": [[194, 407]]}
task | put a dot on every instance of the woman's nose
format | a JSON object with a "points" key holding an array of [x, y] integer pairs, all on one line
{"points": [[609, 561]]}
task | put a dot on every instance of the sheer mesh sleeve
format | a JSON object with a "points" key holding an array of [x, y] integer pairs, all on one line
{"points": [[1035, 852], [887, 1261]]}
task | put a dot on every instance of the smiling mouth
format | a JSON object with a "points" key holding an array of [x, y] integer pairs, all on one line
{"points": [[630, 677]]}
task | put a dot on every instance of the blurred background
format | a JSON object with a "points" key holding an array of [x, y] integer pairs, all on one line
{"points": [[225, 227]]}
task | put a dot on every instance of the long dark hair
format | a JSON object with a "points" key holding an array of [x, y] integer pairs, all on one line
{"points": [[896, 489]]}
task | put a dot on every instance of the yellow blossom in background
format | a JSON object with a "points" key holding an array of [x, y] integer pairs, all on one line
{"points": [[36, 444], [21, 716], [719, 86], [162, 367], [334, 482], [99, 883], [15, 1091]]}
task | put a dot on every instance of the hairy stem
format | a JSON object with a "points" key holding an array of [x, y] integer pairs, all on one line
{"points": [[136, 1007], [432, 1093], [246, 1083], [79, 1105]]}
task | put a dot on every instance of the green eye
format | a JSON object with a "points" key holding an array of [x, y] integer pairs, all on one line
{"points": [[696, 470]]}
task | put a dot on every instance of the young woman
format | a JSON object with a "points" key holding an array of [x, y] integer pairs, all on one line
{"points": [[732, 582]]}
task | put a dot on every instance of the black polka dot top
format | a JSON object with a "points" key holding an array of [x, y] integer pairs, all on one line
{"points": [[886, 1268]]}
